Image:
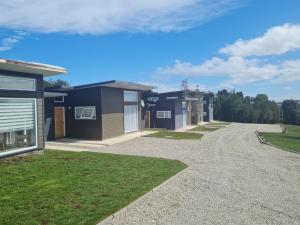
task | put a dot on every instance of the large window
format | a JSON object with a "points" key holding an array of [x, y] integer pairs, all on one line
{"points": [[163, 114], [85, 113], [17, 83], [17, 124], [131, 96]]}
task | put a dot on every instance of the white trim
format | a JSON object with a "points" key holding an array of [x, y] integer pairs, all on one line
{"points": [[85, 118], [64, 118], [166, 114], [63, 99], [21, 78], [138, 123], [18, 151]]}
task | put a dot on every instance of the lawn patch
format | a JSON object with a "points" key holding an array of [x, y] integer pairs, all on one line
{"points": [[218, 123], [75, 188], [205, 128], [176, 135], [289, 140]]}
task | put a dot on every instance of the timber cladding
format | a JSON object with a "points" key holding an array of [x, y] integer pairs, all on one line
{"points": [[112, 112]]}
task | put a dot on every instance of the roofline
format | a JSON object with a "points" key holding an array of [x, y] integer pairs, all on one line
{"points": [[31, 67], [141, 87]]}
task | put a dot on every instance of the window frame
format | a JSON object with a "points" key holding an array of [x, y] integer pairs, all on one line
{"points": [[85, 118], [19, 78], [63, 99], [127, 91], [26, 149], [166, 114]]}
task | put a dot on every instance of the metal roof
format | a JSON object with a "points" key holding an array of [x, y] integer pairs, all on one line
{"points": [[117, 84], [31, 67]]}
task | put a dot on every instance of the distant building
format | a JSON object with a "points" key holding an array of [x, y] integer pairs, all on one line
{"points": [[178, 109]]}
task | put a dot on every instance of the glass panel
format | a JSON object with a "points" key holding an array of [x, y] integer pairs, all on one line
{"points": [[17, 124], [17, 83], [87, 113], [131, 96]]}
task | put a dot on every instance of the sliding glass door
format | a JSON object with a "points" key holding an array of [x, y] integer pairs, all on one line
{"points": [[17, 124]]}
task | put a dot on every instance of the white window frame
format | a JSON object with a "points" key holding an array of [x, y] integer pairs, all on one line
{"points": [[63, 99], [21, 150], [163, 114], [20, 78], [85, 118], [128, 93]]}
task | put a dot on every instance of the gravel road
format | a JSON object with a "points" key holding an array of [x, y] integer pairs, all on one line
{"points": [[231, 179]]}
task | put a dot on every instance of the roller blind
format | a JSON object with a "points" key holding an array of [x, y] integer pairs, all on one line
{"points": [[17, 114]]}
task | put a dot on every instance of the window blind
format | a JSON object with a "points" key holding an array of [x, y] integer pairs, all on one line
{"points": [[17, 115]]}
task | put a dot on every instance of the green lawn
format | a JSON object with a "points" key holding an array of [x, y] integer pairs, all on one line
{"points": [[75, 188], [289, 140], [175, 135], [205, 128], [218, 123]]}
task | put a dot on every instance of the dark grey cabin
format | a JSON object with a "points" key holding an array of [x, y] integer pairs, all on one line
{"points": [[22, 106], [173, 110], [94, 111]]}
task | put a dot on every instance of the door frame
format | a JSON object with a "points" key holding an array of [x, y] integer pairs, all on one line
{"points": [[137, 119], [148, 115], [64, 119]]}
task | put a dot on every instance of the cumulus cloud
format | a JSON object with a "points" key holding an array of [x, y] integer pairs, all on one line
{"points": [[102, 16], [8, 43], [276, 41], [242, 64], [167, 87]]}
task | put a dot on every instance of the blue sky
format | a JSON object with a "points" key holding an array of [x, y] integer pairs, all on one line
{"points": [[162, 42]]}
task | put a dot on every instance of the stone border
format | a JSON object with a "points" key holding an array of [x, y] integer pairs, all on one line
{"points": [[264, 141], [110, 219]]}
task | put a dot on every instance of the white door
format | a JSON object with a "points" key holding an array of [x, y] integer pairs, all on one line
{"points": [[184, 118], [130, 118]]}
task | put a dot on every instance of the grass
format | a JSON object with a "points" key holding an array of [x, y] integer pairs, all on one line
{"points": [[175, 135], [204, 128], [289, 140], [218, 123], [70, 188]]}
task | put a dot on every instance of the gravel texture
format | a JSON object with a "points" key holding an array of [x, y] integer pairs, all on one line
{"points": [[231, 179]]}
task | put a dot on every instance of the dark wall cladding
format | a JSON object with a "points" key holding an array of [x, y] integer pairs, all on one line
{"points": [[49, 119], [85, 129]]}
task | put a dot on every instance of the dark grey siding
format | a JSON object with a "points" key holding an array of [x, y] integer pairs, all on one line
{"points": [[83, 129], [49, 119], [112, 112], [38, 95]]}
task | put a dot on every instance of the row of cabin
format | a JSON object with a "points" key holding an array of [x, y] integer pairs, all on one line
{"points": [[30, 115]]}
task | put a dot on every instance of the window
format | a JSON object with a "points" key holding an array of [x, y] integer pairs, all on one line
{"points": [[17, 83], [85, 113], [131, 96], [17, 124], [59, 99], [163, 114]]}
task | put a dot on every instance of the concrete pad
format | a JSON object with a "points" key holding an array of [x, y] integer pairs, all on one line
{"points": [[92, 145]]}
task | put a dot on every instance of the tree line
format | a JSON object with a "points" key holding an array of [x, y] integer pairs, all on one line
{"points": [[235, 107]]}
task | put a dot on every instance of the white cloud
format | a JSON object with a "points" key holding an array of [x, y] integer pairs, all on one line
{"points": [[106, 16], [167, 87], [238, 68], [9, 42], [276, 41]]}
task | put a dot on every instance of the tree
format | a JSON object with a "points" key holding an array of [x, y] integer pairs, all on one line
{"points": [[291, 112], [55, 83]]}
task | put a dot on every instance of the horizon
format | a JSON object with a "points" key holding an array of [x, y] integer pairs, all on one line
{"points": [[248, 45]]}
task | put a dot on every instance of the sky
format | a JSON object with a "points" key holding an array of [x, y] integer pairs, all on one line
{"points": [[243, 45]]}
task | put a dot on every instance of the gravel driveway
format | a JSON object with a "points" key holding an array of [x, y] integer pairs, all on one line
{"points": [[231, 179]]}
